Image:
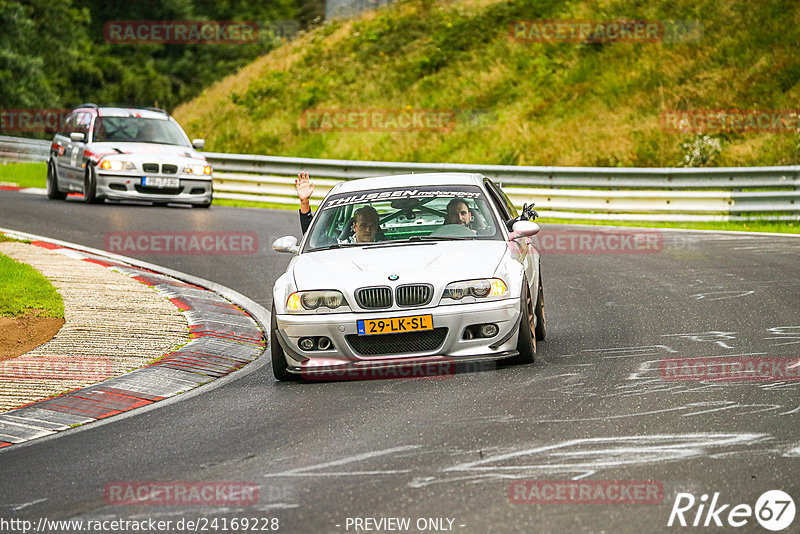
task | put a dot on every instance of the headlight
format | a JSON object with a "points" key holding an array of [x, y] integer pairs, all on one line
{"points": [[117, 165], [486, 287], [198, 170], [311, 300]]}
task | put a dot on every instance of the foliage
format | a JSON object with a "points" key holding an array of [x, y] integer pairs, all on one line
{"points": [[541, 103], [53, 53]]}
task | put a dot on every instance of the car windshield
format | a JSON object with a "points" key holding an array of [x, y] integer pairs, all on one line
{"points": [[137, 130], [408, 214]]}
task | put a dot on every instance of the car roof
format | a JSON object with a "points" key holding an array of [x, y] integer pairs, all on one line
{"points": [[409, 180], [127, 112]]}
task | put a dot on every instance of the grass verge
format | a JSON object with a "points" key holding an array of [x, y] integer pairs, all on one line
{"points": [[778, 227], [23, 289], [24, 174]]}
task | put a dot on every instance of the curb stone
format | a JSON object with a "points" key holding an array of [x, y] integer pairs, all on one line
{"points": [[224, 337]]}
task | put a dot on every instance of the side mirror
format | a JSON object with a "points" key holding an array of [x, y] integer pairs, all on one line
{"points": [[77, 137], [286, 243], [198, 144], [523, 229]]}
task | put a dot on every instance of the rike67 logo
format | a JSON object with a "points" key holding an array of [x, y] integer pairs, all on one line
{"points": [[774, 510]]}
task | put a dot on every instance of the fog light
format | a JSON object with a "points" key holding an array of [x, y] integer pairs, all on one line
{"points": [[306, 343], [324, 343], [489, 330]]}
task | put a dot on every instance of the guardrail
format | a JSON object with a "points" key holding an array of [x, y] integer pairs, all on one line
{"points": [[21, 149], [656, 194]]}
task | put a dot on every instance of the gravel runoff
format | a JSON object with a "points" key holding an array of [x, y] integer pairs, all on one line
{"points": [[113, 324]]}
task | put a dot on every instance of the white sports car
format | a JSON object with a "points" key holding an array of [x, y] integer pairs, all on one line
{"points": [[429, 287]]}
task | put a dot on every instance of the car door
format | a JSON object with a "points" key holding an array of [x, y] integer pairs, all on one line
{"points": [[63, 151], [523, 250]]}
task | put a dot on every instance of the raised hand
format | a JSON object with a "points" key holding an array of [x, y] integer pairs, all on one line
{"points": [[304, 187]]}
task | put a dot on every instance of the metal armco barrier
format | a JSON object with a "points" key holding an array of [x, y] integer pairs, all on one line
{"points": [[643, 194]]}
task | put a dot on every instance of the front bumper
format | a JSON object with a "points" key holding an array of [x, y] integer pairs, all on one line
{"points": [[453, 348], [129, 187]]}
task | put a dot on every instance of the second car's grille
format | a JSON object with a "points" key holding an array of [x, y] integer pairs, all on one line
{"points": [[168, 168], [385, 344], [150, 167], [374, 297], [414, 295]]}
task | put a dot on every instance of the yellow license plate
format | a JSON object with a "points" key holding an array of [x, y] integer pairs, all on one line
{"points": [[394, 325]]}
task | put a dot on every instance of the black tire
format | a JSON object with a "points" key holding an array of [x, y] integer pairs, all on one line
{"points": [[52, 184], [279, 367], [90, 186], [526, 342], [541, 327]]}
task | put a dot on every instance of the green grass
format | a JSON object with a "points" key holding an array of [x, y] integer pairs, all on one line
{"points": [[24, 174], [252, 204], [515, 102], [24, 289], [779, 227]]}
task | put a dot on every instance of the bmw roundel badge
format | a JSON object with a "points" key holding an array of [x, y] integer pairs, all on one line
{"points": [[393, 277]]}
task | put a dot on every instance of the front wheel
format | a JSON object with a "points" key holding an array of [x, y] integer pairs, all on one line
{"points": [[279, 366], [90, 186], [540, 331], [52, 184], [526, 342]]}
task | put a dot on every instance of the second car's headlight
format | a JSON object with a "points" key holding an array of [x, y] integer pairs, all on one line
{"points": [[117, 165], [482, 288], [311, 300], [198, 170]]}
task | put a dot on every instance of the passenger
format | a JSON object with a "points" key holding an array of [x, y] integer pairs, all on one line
{"points": [[458, 213]]}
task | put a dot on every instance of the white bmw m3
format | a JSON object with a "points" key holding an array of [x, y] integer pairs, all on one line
{"points": [[405, 274]]}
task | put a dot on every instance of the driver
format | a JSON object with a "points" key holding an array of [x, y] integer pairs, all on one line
{"points": [[365, 219], [365, 225]]}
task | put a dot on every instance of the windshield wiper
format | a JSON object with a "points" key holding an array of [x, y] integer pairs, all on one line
{"points": [[444, 238]]}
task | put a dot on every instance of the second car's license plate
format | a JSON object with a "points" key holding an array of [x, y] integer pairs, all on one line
{"points": [[394, 325], [158, 181]]}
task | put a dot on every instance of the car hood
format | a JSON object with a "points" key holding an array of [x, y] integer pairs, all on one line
{"points": [[146, 151], [435, 263]]}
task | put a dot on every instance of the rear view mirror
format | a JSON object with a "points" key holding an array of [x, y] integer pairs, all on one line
{"points": [[524, 229], [198, 144], [286, 243], [77, 137]]}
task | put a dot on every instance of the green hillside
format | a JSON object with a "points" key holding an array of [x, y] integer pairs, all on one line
{"points": [[526, 103]]}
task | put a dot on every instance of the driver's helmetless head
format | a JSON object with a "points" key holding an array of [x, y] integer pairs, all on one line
{"points": [[458, 212], [365, 224]]}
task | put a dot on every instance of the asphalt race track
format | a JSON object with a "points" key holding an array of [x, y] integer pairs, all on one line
{"points": [[596, 405]]}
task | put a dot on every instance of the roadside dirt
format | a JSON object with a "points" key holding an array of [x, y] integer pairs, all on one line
{"points": [[19, 335]]}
